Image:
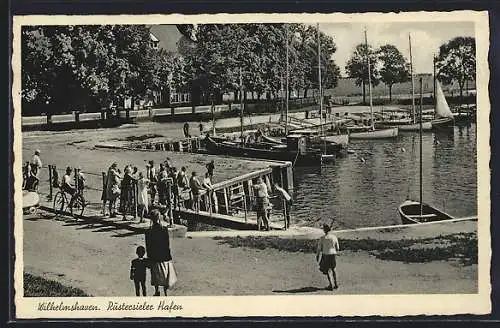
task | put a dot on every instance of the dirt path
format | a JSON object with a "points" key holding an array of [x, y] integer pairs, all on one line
{"points": [[96, 259]]}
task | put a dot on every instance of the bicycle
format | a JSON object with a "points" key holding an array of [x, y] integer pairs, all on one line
{"points": [[76, 204]]}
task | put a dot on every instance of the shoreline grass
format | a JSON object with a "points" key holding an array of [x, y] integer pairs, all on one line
{"points": [[35, 286], [461, 247]]}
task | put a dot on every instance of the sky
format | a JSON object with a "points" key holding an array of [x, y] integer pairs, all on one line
{"points": [[426, 38]]}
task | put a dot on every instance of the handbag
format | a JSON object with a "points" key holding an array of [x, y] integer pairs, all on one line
{"points": [[172, 275], [115, 190]]}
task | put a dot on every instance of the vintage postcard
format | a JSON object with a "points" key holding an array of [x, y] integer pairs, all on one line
{"points": [[251, 165]]}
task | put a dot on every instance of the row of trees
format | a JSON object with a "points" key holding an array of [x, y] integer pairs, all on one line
{"points": [[87, 67], [456, 62], [84, 67], [221, 58]]}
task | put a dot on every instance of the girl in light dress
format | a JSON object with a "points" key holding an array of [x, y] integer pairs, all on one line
{"points": [[142, 195]]}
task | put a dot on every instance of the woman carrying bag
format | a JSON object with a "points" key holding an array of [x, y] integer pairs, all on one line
{"points": [[158, 252]]}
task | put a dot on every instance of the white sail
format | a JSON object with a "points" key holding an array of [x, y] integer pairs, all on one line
{"points": [[442, 108]]}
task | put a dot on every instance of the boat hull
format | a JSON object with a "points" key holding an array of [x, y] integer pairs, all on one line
{"points": [[376, 134], [233, 149], [426, 126], [442, 122], [409, 211]]}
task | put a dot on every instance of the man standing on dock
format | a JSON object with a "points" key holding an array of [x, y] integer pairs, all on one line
{"points": [[262, 203], [196, 188], [210, 169], [186, 130]]}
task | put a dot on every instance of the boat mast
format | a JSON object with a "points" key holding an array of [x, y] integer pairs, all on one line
{"points": [[412, 84], [434, 59], [320, 90], [241, 102], [287, 81], [420, 132], [369, 83]]}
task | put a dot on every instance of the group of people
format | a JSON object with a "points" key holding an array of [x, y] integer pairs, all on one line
{"points": [[161, 186], [163, 274]]}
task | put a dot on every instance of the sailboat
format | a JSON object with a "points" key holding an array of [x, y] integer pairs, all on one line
{"points": [[369, 132], [412, 211], [409, 124], [443, 115]]}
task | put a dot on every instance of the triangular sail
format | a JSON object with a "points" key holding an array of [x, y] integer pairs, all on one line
{"points": [[442, 108]]}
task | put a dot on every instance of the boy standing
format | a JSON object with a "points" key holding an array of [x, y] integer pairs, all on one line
{"points": [[328, 247], [138, 271]]}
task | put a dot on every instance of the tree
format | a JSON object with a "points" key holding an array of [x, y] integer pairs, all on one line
{"points": [[394, 66], [357, 66], [308, 49], [457, 61]]}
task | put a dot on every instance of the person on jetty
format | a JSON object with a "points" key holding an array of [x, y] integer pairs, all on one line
{"points": [[142, 196], [80, 180], [159, 255], [327, 250], [186, 130], [287, 199], [196, 189], [127, 192], [262, 204], [210, 168], [183, 186], [151, 175], [66, 185], [175, 187], [212, 197], [35, 164], [113, 188], [138, 271], [162, 185]]}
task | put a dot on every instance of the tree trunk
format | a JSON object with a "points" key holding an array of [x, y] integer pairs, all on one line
{"points": [[364, 93], [305, 92], [390, 92]]}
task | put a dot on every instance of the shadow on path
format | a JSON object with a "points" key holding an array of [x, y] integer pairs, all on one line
{"points": [[300, 290]]}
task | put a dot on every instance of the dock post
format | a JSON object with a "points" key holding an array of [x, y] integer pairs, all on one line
{"points": [[50, 183], [245, 204], [226, 202]]}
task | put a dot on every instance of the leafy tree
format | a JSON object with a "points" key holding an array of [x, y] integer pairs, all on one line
{"points": [[457, 61], [394, 66], [308, 50], [357, 66]]}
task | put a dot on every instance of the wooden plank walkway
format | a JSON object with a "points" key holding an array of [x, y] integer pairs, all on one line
{"points": [[228, 221]]}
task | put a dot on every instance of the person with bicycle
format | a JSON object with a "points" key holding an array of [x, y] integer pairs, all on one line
{"points": [[67, 186]]}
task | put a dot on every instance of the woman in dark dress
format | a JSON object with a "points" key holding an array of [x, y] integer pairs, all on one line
{"points": [[158, 252]]}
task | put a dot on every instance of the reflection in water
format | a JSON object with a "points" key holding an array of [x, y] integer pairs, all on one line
{"points": [[365, 189]]}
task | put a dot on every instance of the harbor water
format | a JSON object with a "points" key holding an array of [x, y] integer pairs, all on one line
{"points": [[365, 188]]}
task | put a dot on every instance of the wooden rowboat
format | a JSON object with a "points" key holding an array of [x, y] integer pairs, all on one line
{"points": [[409, 211]]}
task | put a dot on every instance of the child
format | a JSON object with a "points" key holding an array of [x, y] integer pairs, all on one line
{"points": [[138, 271]]}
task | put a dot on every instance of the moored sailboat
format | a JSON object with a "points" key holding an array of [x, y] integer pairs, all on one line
{"points": [[411, 211], [369, 132], [443, 115]]}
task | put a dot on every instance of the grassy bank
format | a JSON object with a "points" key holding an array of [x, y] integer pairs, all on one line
{"points": [[39, 287], [460, 247]]}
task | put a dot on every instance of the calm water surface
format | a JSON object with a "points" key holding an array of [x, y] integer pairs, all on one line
{"points": [[366, 188]]}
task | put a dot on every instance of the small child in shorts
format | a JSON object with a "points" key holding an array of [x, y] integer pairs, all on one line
{"points": [[138, 271]]}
